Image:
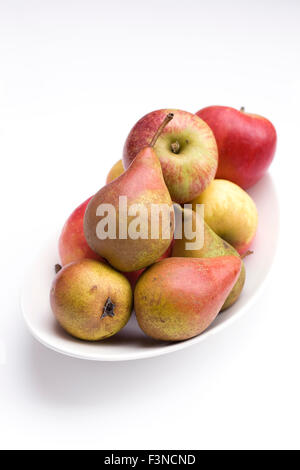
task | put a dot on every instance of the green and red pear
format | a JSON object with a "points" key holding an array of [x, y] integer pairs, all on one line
{"points": [[178, 298], [90, 300], [210, 246], [73, 245]]}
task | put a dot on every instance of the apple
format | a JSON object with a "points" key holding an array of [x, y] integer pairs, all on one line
{"points": [[230, 212], [115, 172], [186, 148], [246, 143], [72, 244]]}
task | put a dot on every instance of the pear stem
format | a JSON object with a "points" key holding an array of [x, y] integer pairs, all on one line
{"points": [[167, 119], [57, 268], [242, 109], [249, 252]]}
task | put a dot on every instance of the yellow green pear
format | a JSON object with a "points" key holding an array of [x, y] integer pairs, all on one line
{"points": [[212, 246], [90, 300]]}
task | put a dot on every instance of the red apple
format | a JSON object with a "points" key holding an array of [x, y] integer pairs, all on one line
{"points": [[246, 143], [186, 148], [72, 244]]}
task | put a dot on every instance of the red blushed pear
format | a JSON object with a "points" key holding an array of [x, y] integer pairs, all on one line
{"points": [[178, 298], [142, 184], [72, 244], [246, 143], [186, 148]]}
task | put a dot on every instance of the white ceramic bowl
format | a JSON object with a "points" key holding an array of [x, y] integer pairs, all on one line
{"points": [[131, 343]]}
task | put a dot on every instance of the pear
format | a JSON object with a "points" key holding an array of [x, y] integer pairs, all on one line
{"points": [[178, 298], [125, 247], [213, 246], [91, 300]]}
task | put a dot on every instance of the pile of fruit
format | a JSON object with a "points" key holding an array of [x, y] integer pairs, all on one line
{"points": [[170, 158]]}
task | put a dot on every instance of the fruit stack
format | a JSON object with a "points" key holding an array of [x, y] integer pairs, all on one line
{"points": [[117, 253]]}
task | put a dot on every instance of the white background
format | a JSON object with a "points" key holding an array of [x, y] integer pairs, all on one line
{"points": [[74, 77]]}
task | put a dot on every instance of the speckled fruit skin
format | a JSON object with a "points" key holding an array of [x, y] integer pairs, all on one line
{"points": [[133, 276], [230, 212], [79, 293], [246, 143], [213, 246], [187, 173], [115, 171], [142, 183], [178, 298], [72, 244]]}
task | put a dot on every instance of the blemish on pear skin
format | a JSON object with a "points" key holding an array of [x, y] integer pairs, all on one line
{"points": [[93, 289]]}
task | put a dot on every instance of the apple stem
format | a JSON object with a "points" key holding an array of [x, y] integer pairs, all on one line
{"points": [[249, 252], [242, 109], [167, 119]]}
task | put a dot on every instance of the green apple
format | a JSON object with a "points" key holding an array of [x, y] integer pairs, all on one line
{"points": [[230, 212]]}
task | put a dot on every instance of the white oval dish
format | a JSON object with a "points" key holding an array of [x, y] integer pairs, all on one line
{"points": [[131, 343]]}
